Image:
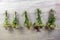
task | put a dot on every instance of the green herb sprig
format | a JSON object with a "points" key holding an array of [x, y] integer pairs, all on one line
{"points": [[6, 21], [38, 24], [51, 20], [27, 22], [15, 21]]}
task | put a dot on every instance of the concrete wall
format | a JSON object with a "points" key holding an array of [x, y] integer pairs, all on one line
{"points": [[30, 6]]}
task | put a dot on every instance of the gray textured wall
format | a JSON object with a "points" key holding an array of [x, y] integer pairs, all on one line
{"points": [[30, 6]]}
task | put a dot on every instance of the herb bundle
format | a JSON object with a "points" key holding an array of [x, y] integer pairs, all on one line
{"points": [[6, 22], [15, 21], [38, 24], [51, 20], [27, 23]]}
